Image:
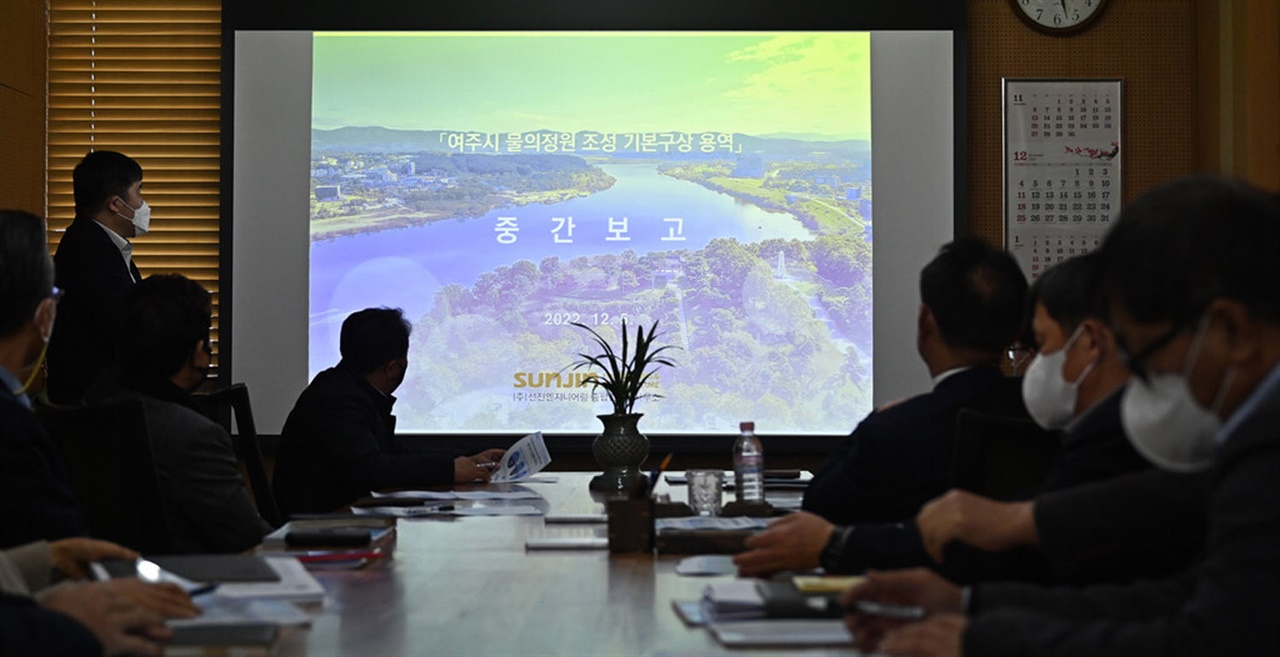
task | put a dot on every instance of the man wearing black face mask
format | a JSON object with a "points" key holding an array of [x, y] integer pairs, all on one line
{"points": [[95, 268], [162, 354]]}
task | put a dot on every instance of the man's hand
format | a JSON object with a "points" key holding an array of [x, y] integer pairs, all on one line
{"points": [[981, 522], [72, 556], [165, 598], [936, 636], [477, 466], [792, 542], [123, 627], [917, 586]]}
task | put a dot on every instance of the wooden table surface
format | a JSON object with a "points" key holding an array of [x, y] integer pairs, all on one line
{"points": [[467, 586]]}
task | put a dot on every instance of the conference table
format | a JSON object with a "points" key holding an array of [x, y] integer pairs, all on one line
{"points": [[468, 586]]}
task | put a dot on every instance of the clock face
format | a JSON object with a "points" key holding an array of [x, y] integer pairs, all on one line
{"points": [[1058, 16]]}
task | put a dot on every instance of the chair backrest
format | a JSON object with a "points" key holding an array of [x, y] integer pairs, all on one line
{"points": [[1004, 458], [220, 406], [107, 451]]}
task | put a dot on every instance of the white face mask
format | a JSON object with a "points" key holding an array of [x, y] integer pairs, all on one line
{"points": [[1050, 399], [1165, 423], [141, 219]]}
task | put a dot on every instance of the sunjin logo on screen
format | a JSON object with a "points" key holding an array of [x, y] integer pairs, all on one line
{"points": [[553, 379], [565, 379]]}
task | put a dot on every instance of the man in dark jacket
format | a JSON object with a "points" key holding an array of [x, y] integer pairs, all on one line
{"points": [[163, 354], [1190, 273], [37, 503], [338, 443], [95, 269], [972, 300]]}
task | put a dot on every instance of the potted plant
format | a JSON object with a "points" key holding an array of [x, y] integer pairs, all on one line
{"points": [[622, 374]]}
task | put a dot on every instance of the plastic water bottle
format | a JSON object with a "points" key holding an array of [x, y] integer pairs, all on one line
{"points": [[748, 464]]}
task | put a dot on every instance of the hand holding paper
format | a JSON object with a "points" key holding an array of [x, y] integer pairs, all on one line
{"points": [[525, 458]]}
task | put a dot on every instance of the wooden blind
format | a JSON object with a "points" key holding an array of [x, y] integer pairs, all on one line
{"points": [[143, 77]]}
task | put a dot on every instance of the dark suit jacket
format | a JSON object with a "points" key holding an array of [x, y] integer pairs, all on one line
{"points": [[1089, 532], [36, 501], [93, 276], [1226, 605], [1094, 448], [339, 443], [900, 457], [27, 629], [206, 502]]}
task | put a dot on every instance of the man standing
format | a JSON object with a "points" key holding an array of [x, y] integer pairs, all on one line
{"points": [[95, 268], [339, 442]]}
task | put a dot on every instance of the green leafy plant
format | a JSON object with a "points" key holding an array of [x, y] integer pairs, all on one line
{"points": [[622, 374]]}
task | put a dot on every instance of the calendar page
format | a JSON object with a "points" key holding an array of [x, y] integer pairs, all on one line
{"points": [[1062, 154]]}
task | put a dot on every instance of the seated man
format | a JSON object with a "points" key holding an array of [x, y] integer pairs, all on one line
{"points": [[1074, 382], [68, 619], [36, 501], [339, 443], [162, 355], [1189, 273], [899, 456]]}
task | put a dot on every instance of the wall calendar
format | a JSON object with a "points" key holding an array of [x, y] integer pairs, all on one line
{"points": [[1062, 175]]}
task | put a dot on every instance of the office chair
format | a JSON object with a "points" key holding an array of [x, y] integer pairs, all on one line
{"points": [[233, 400], [107, 452], [1004, 458]]}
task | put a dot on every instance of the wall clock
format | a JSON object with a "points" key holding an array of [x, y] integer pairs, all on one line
{"points": [[1058, 17]]}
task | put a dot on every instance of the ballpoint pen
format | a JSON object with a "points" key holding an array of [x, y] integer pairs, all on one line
{"points": [[653, 476]]}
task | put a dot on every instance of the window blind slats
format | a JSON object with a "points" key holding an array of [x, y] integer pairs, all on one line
{"points": [[143, 77]]}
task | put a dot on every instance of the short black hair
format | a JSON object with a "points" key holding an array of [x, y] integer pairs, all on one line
{"points": [[1067, 291], [1187, 242], [101, 175], [373, 337], [26, 270], [160, 320], [976, 293]]}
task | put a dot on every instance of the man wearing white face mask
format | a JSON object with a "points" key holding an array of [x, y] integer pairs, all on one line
{"points": [[95, 268], [1075, 383], [35, 497], [1191, 273]]}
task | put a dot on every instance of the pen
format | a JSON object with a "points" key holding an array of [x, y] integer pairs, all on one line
{"points": [[887, 610], [320, 557], [202, 589], [653, 477]]}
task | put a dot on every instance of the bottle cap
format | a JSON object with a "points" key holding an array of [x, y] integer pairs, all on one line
{"points": [[747, 426]]}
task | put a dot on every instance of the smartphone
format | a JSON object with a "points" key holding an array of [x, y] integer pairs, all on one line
{"points": [[147, 571], [889, 610]]}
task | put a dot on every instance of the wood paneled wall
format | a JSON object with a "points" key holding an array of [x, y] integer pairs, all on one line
{"points": [[23, 75], [1150, 44]]}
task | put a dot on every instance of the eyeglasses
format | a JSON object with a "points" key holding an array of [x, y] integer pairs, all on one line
{"points": [[1019, 355], [1137, 360]]}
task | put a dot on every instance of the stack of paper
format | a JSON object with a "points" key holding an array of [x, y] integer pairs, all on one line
{"points": [[745, 612], [736, 599], [295, 584]]}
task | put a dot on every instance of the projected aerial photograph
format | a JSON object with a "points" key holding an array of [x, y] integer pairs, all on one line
{"points": [[500, 186]]}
